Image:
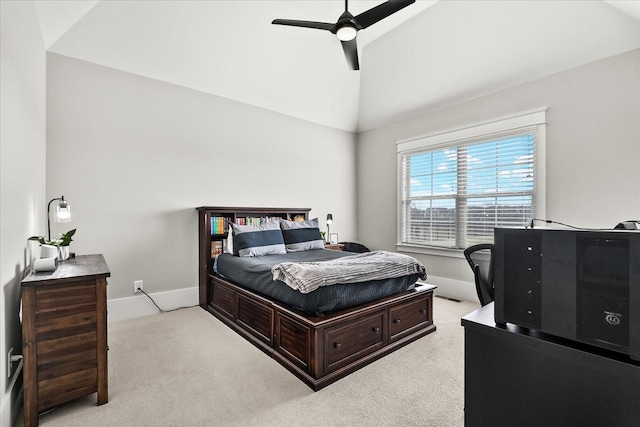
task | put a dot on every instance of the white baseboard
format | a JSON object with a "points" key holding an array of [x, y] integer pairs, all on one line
{"points": [[12, 399], [140, 305], [453, 288]]}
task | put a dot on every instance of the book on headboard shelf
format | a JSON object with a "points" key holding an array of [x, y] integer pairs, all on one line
{"points": [[251, 220], [217, 247], [220, 224]]}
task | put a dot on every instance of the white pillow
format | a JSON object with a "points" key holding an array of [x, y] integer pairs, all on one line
{"points": [[228, 248]]}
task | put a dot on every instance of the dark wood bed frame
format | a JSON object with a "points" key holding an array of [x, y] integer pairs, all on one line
{"points": [[317, 349]]}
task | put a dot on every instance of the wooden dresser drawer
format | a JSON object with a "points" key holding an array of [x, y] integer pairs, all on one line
{"points": [[64, 388], [352, 340], [65, 311], [404, 318], [55, 350]]}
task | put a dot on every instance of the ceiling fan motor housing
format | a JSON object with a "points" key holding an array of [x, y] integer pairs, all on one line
{"points": [[347, 27]]}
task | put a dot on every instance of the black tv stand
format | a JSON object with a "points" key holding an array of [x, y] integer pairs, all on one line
{"points": [[516, 376]]}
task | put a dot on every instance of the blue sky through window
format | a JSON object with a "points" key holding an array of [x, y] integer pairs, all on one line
{"points": [[500, 166], [482, 184]]}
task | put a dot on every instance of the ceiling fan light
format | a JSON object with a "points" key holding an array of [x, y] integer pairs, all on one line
{"points": [[346, 33]]}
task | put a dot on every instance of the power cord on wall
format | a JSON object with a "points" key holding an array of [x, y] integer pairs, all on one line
{"points": [[548, 221], [162, 310]]}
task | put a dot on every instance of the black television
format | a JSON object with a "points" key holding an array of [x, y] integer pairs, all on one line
{"points": [[583, 285]]}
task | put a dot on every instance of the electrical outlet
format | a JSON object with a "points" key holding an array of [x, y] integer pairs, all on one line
{"points": [[9, 362], [137, 286]]}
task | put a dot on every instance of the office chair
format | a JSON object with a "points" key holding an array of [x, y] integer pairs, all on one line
{"points": [[482, 270]]}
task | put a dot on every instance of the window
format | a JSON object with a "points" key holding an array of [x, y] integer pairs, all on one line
{"points": [[456, 186]]}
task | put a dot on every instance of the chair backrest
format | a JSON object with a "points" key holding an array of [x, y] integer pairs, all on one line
{"points": [[354, 247], [480, 259]]}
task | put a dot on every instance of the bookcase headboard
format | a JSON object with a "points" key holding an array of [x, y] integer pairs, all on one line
{"points": [[213, 226]]}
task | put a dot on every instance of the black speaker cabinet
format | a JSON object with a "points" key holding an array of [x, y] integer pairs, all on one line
{"points": [[575, 284]]}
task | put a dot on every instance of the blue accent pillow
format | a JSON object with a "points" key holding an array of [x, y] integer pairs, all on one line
{"points": [[301, 235], [258, 240]]}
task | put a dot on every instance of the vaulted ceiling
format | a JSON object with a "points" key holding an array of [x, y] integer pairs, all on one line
{"points": [[456, 49]]}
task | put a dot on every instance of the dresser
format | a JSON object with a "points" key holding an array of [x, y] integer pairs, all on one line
{"points": [[516, 376], [64, 334]]}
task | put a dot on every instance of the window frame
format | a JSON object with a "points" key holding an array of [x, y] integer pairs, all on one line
{"points": [[461, 135]]}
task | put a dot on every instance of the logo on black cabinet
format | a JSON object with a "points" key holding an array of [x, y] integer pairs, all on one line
{"points": [[612, 318]]}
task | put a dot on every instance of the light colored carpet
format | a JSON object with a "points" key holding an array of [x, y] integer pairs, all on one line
{"points": [[186, 368]]}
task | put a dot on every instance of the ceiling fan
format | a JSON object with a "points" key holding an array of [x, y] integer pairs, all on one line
{"points": [[347, 27]]}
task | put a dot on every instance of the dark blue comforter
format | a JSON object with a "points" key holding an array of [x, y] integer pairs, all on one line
{"points": [[254, 273]]}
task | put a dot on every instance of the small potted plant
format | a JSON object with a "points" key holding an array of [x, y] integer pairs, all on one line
{"points": [[62, 244]]}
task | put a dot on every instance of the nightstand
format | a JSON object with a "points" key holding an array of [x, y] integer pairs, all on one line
{"points": [[64, 334], [334, 246]]}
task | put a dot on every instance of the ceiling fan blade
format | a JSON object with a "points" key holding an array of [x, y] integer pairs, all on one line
{"points": [[380, 12], [351, 53], [307, 24]]}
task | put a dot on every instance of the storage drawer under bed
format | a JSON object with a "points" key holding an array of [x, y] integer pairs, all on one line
{"points": [[353, 339], [404, 319]]}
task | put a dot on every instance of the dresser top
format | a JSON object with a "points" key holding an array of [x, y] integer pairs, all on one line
{"points": [[69, 270]]}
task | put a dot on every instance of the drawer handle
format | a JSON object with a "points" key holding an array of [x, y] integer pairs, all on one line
{"points": [[376, 329], [423, 311], [396, 320], [337, 345]]}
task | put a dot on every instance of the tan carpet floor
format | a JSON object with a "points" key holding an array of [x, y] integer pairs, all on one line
{"points": [[185, 368]]}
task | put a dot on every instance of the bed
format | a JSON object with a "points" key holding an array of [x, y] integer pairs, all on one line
{"points": [[255, 274], [320, 335]]}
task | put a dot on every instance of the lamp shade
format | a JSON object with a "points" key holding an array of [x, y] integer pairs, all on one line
{"points": [[329, 218], [63, 213]]}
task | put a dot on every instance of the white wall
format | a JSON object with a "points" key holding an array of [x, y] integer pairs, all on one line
{"points": [[135, 156], [22, 175], [593, 153], [456, 51]]}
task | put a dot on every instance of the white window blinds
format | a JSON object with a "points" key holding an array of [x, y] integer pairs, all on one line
{"points": [[453, 193]]}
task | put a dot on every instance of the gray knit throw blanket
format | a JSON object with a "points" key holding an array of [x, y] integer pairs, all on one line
{"points": [[309, 276]]}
